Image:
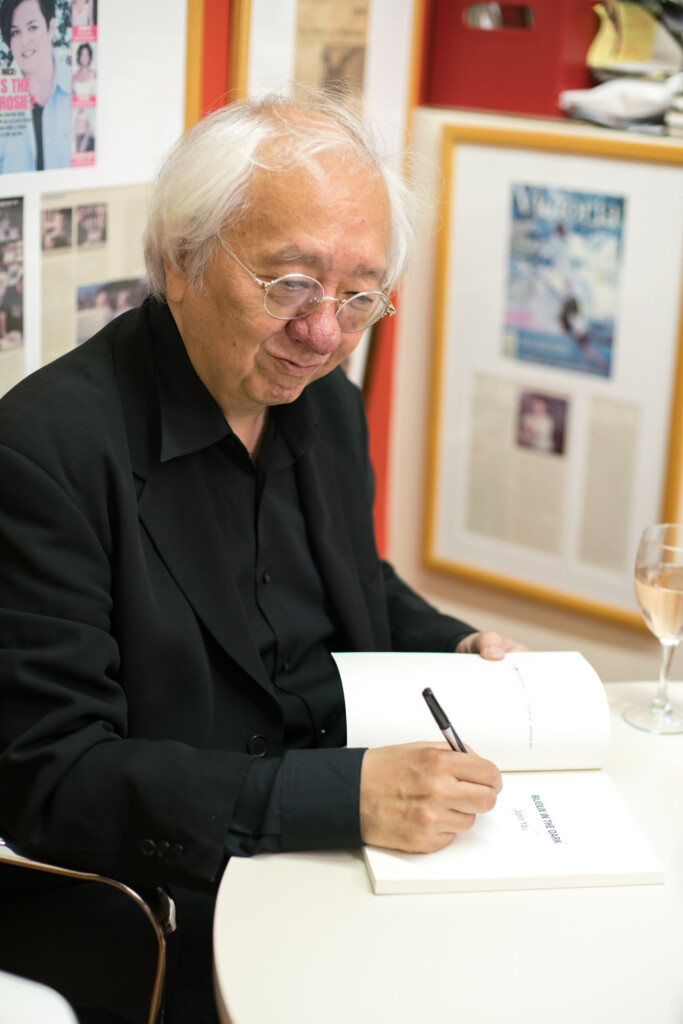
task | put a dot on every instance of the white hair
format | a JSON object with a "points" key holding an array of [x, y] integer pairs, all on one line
{"points": [[204, 184]]}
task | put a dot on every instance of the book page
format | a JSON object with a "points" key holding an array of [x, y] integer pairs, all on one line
{"points": [[548, 829], [533, 711]]}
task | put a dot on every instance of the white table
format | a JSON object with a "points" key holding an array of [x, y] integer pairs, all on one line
{"points": [[28, 1002], [302, 939]]}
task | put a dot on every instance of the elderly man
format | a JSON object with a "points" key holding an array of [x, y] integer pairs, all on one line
{"points": [[187, 534]]}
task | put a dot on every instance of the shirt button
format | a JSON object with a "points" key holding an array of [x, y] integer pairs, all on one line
{"points": [[148, 847], [258, 745], [266, 577], [323, 732], [177, 849]]}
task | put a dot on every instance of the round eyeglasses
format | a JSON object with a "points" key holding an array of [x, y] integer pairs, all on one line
{"points": [[296, 295]]}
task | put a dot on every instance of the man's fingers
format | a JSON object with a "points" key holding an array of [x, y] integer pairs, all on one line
{"points": [[489, 645], [417, 796]]}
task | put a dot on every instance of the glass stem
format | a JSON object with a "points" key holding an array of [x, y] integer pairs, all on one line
{"points": [[660, 704]]}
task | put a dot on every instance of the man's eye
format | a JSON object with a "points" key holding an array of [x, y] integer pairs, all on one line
{"points": [[290, 288], [362, 299], [292, 285]]}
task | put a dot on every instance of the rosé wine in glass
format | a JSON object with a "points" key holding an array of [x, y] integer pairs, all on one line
{"points": [[659, 592]]}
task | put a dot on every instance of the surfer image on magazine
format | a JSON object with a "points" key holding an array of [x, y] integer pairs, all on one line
{"points": [[564, 264]]}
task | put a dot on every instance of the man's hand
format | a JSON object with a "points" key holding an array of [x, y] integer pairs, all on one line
{"points": [[491, 646], [416, 796]]}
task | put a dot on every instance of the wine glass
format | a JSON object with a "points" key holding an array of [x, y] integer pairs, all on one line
{"points": [[659, 591]]}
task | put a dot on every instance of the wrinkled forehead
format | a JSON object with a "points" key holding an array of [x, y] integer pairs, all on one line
{"points": [[320, 197]]}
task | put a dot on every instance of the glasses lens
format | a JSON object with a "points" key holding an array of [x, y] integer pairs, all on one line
{"points": [[293, 296], [361, 311]]}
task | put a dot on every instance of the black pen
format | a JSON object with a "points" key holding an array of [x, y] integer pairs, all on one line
{"points": [[441, 719]]}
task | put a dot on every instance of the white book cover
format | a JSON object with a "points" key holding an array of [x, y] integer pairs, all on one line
{"points": [[543, 718]]}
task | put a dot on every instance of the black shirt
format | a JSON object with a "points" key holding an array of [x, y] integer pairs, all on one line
{"points": [[302, 800]]}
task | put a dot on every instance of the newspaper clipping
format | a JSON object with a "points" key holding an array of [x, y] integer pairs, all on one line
{"points": [[11, 292], [517, 473], [48, 84], [331, 41], [563, 276], [92, 262], [522, 480]]}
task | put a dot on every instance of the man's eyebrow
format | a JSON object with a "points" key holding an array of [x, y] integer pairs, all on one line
{"points": [[290, 254]]}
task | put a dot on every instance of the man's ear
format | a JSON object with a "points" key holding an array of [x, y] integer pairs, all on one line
{"points": [[176, 282]]}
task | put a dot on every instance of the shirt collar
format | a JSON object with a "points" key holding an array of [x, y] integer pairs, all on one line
{"points": [[190, 417]]}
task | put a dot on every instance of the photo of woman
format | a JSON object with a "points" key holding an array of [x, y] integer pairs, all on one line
{"points": [[83, 80], [39, 136]]}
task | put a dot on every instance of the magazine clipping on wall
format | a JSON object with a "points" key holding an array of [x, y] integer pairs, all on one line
{"points": [[563, 277], [563, 272], [92, 262], [48, 84], [548, 417], [544, 439], [331, 44], [11, 292]]}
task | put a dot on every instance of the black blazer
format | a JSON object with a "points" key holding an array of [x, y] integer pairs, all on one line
{"points": [[130, 684]]}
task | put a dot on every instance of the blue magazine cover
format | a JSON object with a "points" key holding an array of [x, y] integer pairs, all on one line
{"points": [[563, 277]]}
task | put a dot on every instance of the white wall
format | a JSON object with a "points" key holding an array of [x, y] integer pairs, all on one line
{"points": [[616, 653]]}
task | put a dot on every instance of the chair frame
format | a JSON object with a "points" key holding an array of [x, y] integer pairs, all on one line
{"points": [[163, 919]]}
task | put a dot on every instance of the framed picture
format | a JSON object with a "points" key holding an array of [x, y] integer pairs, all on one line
{"points": [[556, 431]]}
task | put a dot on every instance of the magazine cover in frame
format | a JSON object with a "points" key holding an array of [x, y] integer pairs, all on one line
{"points": [[563, 277]]}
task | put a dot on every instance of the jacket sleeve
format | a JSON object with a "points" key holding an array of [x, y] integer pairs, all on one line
{"points": [[417, 625]]}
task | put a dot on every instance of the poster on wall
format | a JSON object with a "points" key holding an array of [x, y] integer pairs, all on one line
{"points": [[11, 292], [48, 84], [92, 262]]}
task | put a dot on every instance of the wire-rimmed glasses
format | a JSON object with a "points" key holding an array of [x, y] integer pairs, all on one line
{"points": [[294, 296]]}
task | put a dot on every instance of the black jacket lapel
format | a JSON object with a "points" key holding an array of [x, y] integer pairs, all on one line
{"points": [[175, 508], [176, 511]]}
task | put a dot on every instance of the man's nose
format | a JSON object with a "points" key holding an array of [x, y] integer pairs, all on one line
{"points": [[320, 330]]}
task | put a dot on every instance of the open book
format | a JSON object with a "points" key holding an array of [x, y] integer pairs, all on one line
{"points": [[543, 719]]}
